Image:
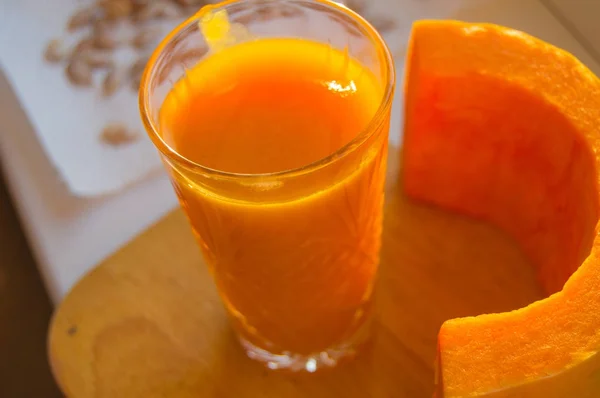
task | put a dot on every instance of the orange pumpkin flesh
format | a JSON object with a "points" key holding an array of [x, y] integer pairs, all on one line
{"points": [[504, 127]]}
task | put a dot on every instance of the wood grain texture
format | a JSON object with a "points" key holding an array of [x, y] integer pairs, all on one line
{"points": [[148, 321]]}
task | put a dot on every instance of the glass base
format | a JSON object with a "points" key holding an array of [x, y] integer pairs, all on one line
{"points": [[299, 362]]}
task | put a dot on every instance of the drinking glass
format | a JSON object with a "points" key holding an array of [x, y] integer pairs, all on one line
{"points": [[294, 253]]}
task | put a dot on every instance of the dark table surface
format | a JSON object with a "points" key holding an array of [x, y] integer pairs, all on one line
{"points": [[25, 311]]}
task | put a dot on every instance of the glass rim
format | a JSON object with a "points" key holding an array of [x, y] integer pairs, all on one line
{"points": [[173, 155]]}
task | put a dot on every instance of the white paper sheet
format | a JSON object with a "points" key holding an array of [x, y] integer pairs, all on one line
{"points": [[68, 120]]}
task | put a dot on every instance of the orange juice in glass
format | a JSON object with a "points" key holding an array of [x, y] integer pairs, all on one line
{"points": [[274, 131]]}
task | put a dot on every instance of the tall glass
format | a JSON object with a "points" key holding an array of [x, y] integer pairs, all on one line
{"points": [[294, 253]]}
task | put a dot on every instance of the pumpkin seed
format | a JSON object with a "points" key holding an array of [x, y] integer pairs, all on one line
{"points": [[81, 18], [98, 60], [117, 135], [54, 51], [79, 72], [146, 37], [113, 80], [117, 9]]}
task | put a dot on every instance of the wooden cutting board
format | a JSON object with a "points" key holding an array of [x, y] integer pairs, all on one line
{"points": [[148, 323]]}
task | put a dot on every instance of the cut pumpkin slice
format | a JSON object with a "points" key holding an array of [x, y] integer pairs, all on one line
{"points": [[505, 128]]}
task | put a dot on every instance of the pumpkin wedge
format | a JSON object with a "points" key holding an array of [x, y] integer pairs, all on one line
{"points": [[506, 128]]}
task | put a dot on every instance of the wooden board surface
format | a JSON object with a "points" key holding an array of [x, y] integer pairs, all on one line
{"points": [[148, 321]]}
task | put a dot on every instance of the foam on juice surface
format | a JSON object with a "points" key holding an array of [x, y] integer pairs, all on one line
{"points": [[218, 31]]}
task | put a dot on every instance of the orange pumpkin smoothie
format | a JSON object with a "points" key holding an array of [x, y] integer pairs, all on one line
{"points": [[295, 273], [277, 150]]}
